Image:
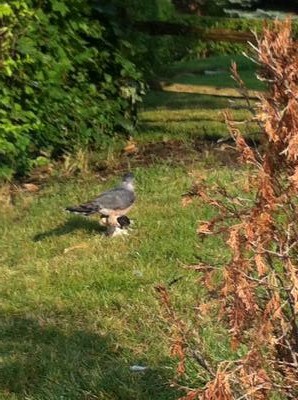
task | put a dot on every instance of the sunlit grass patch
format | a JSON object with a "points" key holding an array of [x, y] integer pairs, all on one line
{"points": [[214, 71], [78, 309]]}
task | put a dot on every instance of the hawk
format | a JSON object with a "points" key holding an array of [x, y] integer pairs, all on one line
{"points": [[113, 205]]}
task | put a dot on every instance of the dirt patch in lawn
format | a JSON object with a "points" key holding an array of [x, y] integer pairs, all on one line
{"points": [[211, 153], [179, 152]]}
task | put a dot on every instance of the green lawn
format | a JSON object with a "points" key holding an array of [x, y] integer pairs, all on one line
{"points": [[79, 309], [214, 71], [187, 124], [177, 115]]}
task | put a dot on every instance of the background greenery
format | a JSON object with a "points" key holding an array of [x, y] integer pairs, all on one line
{"points": [[77, 309], [66, 80], [73, 72]]}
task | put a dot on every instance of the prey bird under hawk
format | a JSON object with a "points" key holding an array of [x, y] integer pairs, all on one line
{"points": [[113, 205]]}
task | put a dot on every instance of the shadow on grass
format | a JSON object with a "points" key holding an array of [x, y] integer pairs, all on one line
{"points": [[74, 223], [39, 360], [180, 101], [148, 122]]}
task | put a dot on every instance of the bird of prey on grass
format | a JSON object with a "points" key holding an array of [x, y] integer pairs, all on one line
{"points": [[113, 205]]}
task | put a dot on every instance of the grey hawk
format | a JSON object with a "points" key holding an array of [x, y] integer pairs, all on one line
{"points": [[113, 204]]}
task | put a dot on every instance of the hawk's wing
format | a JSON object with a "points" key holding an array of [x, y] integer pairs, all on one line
{"points": [[114, 199], [113, 204]]}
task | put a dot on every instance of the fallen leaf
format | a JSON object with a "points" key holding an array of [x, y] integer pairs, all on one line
{"points": [[30, 187], [205, 228], [130, 147], [186, 200], [75, 247]]}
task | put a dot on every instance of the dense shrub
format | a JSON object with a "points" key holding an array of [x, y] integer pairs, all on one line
{"points": [[201, 48], [148, 10], [66, 80], [170, 48], [153, 52], [196, 48]]}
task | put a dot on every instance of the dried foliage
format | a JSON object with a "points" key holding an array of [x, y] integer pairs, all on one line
{"points": [[258, 293]]}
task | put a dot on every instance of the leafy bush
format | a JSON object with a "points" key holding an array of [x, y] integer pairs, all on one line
{"points": [[166, 49], [148, 10], [66, 81], [198, 48], [201, 48], [153, 52]]}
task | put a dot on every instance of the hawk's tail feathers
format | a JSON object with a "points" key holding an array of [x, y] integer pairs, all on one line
{"points": [[84, 209]]}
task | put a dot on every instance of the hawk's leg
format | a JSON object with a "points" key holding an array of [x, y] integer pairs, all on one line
{"points": [[111, 230], [113, 226]]}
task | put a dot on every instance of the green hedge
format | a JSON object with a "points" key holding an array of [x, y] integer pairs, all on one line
{"points": [[66, 81], [201, 48], [160, 50]]}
